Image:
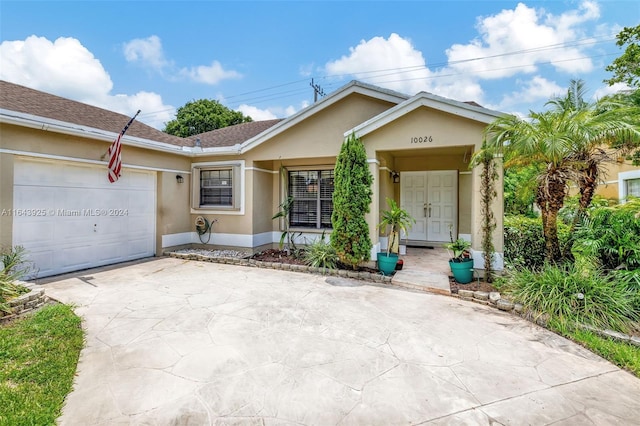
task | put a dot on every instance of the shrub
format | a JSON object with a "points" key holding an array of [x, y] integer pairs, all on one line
{"points": [[320, 254], [13, 266], [611, 235], [351, 201], [569, 297], [524, 241]]}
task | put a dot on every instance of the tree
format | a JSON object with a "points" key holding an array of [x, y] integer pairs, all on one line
{"points": [[541, 139], [626, 68], [351, 201], [201, 116], [567, 144], [594, 127]]}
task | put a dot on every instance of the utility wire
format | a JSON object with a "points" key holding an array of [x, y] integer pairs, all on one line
{"points": [[243, 98]]}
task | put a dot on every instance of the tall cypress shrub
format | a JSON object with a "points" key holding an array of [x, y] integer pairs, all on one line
{"points": [[351, 200]]}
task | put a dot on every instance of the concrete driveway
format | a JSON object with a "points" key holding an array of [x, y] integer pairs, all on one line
{"points": [[189, 343]]}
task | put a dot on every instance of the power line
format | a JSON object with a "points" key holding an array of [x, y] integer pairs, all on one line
{"points": [[241, 98]]}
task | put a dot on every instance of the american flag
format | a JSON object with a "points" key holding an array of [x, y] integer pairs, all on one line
{"points": [[115, 153]]}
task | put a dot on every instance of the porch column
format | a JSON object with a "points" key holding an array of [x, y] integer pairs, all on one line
{"points": [[373, 217], [476, 217]]}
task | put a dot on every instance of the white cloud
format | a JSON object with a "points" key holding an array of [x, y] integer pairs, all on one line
{"points": [[147, 51], [512, 42], [211, 74], [392, 63], [66, 68], [270, 113], [536, 89], [256, 113], [396, 64], [603, 91]]}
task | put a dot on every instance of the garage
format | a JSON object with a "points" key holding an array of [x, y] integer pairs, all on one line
{"points": [[68, 216]]}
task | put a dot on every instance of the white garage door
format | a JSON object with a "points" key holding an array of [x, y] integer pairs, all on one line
{"points": [[70, 217]]}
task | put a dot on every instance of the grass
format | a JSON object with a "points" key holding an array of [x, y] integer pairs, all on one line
{"points": [[624, 355], [38, 358]]}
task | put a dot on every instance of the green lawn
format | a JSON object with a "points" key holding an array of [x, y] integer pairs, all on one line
{"points": [[624, 355], [38, 358]]}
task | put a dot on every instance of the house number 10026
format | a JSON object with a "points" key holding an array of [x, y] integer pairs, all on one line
{"points": [[421, 139]]}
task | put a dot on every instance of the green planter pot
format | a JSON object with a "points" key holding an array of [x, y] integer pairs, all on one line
{"points": [[462, 271], [387, 263]]}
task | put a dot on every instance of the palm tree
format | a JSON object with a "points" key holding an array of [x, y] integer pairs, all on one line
{"points": [[570, 144], [595, 127], [540, 139]]}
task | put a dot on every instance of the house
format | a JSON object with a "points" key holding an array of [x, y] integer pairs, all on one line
{"points": [[56, 200]]}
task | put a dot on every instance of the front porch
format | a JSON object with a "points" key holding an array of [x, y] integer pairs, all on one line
{"points": [[425, 269]]}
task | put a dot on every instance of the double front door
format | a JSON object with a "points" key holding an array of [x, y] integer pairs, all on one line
{"points": [[432, 199]]}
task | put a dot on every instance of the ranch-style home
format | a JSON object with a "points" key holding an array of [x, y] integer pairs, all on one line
{"points": [[57, 201]]}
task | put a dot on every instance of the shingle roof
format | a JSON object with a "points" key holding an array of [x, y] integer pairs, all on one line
{"points": [[22, 99], [236, 134]]}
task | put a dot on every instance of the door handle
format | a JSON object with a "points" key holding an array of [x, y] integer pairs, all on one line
{"points": [[429, 209]]}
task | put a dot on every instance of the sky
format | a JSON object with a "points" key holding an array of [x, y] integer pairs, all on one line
{"points": [[260, 57]]}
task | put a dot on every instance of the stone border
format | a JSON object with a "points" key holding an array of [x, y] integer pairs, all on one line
{"points": [[365, 276], [25, 303], [494, 299]]}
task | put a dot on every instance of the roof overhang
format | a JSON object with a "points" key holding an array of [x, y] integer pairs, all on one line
{"points": [[66, 128], [428, 100]]}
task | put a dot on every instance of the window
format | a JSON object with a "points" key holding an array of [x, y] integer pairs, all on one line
{"points": [[312, 192], [217, 187], [633, 187], [628, 184]]}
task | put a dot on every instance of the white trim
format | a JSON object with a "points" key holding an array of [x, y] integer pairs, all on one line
{"points": [[84, 160], [466, 237], [223, 239], [622, 178], [265, 238], [372, 161], [172, 240], [424, 99], [385, 169], [57, 126], [341, 93], [478, 260], [465, 173]]}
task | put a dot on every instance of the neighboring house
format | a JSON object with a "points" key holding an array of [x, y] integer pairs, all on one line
{"points": [[622, 180], [57, 202]]}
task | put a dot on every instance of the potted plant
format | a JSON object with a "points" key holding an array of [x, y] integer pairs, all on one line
{"points": [[396, 220], [460, 263]]}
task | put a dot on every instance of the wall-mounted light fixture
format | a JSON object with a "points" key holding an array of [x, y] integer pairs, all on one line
{"points": [[179, 178], [396, 176]]}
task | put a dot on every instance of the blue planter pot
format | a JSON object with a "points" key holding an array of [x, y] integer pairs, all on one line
{"points": [[462, 271], [387, 263]]}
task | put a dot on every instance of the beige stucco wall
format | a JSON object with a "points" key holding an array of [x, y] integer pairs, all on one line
{"points": [[610, 187], [315, 141], [322, 134], [172, 198]]}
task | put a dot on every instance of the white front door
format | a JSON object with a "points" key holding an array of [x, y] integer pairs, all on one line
{"points": [[431, 198]]}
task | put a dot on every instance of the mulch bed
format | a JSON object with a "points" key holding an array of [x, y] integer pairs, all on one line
{"points": [[473, 286], [274, 255]]}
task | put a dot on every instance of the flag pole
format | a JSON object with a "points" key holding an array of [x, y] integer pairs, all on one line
{"points": [[115, 153], [125, 128]]}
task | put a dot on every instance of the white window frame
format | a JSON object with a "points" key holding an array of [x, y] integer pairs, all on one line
{"points": [[238, 185], [623, 177]]}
